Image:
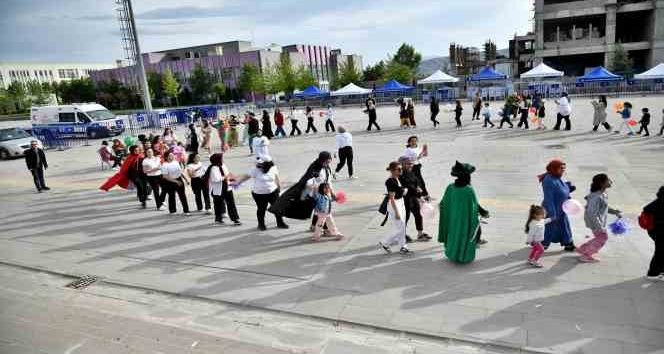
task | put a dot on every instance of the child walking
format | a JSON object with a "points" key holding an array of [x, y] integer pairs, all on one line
{"points": [[597, 210], [626, 115], [505, 116], [541, 114], [535, 230], [457, 113], [323, 210], [486, 113], [645, 120]]}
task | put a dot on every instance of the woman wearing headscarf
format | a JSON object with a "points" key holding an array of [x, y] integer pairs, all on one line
{"points": [[459, 226], [411, 113], [556, 192], [192, 139], [296, 202], [267, 125], [218, 176]]}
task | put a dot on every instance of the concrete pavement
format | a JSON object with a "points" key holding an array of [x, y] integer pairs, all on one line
{"points": [[565, 307]]}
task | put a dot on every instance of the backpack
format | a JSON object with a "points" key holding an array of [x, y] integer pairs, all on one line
{"points": [[646, 221]]}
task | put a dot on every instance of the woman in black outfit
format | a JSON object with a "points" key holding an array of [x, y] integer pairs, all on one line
{"points": [[310, 121], [412, 197], [193, 139], [370, 103], [267, 125], [218, 176]]}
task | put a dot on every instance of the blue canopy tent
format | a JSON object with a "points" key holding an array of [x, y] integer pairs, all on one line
{"points": [[599, 74], [488, 74], [394, 86], [312, 92]]}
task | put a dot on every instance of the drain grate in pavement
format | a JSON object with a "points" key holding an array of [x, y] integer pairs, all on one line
{"points": [[82, 282], [556, 147]]}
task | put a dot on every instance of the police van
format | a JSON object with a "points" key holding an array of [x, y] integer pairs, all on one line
{"points": [[77, 120]]}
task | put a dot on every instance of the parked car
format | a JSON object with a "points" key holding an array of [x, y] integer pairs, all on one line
{"points": [[14, 142]]}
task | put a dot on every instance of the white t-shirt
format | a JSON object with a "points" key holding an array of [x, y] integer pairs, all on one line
{"points": [[343, 140], [330, 114], [171, 169], [196, 170], [564, 107], [323, 177], [536, 230], [151, 164], [264, 183], [414, 154], [217, 179], [260, 146]]}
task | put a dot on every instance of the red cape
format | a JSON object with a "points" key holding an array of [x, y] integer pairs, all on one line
{"points": [[120, 178]]}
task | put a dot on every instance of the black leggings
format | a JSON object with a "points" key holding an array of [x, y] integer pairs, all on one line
{"points": [[201, 189], [433, 118], [415, 210], [294, 128], [225, 202], [171, 189], [154, 182], [329, 126], [345, 155], [523, 120], [457, 118], [476, 112], [311, 126], [372, 120], [605, 125], [262, 201], [506, 119]]}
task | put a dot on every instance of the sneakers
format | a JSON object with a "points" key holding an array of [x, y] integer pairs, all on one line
{"points": [[186, 213], [283, 226], [159, 208], [655, 277], [535, 263], [424, 238], [338, 237], [219, 222], [588, 259], [405, 251], [570, 248], [46, 189], [387, 249], [208, 211], [236, 223]]}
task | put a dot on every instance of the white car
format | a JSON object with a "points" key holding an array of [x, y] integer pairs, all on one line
{"points": [[14, 142]]}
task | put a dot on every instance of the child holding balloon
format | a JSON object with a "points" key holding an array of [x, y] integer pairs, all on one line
{"points": [[626, 115], [597, 210], [323, 210]]}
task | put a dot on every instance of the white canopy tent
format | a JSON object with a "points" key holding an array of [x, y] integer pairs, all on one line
{"points": [[350, 89], [541, 71], [437, 77], [655, 73]]}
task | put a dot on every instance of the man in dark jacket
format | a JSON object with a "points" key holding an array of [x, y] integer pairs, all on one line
{"points": [[35, 159], [253, 127], [656, 210]]}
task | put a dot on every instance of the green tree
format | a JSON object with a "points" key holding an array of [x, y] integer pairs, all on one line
{"points": [[406, 55], [250, 80], [155, 84], [201, 82], [304, 78], [7, 104], [347, 74], [621, 63], [18, 94], [399, 72], [286, 76], [170, 86], [271, 80], [77, 90], [219, 90], [375, 72]]}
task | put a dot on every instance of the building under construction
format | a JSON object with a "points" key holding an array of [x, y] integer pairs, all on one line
{"points": [[575, 36]]}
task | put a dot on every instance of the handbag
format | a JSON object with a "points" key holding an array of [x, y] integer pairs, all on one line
{"points": [[383, 205]]}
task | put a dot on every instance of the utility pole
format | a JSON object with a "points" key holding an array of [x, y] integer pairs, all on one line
{"points": [[132, 48]]}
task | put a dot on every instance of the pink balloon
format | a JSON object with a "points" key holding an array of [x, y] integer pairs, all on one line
{"points": [[426, 210], [341, 197], [572, 207]]}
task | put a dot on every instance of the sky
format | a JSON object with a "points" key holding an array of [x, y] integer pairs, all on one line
{"points": [[87, 31]]}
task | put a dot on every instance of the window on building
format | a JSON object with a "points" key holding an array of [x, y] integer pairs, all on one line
{"points": [[67, 73], [187, 55], [67, 117], [197, 55]]}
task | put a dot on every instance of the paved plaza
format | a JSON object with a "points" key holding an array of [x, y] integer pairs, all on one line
{"points": [[565, 307]]}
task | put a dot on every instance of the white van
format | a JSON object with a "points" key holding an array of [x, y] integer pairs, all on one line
{"points": [[77, 120]]}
